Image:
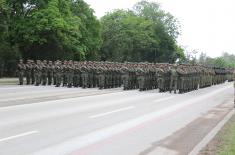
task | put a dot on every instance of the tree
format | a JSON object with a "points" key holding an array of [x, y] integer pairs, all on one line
{"points": [[152, 11], [220, 62], [202, 58], [166, 27], [90, 29], [8, 53], [180, 54], [225, 61], [145, 33], [229, 59], [53, 29], [127, 37], [47, 29]]}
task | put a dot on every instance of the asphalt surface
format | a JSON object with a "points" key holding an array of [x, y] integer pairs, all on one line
{"points": [[57, 121]]}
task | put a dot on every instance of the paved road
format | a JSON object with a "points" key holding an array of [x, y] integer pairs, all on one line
{"points": [[57, 121]]}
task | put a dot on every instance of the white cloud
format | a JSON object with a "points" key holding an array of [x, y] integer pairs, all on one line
{"points": [[207, 25]]}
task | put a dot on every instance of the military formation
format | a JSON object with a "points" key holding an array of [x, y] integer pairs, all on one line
{"points": [[177, 78]]}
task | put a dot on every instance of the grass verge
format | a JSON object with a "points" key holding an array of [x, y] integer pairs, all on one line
{"points": [[228, 139], [224, 141]]}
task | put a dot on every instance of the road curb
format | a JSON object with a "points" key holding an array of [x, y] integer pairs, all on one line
{"points": [[211, 134]]}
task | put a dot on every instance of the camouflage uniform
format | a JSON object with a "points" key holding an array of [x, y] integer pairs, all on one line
{"points": [[84, 76], [125, 78], [173, 79], [44, 72], [101, 78], [38, 72], [58, 73], [70, 74], [21, 69], [50, 69], [65, 73], [140, 79], [28, 72], [32, 72]]}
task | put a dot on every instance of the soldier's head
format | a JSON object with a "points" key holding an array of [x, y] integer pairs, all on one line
{"points": [[21, 61]]}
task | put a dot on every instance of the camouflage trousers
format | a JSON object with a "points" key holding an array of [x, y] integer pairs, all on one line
{"points": [[28, 77], [21, 77], [160, 83]]}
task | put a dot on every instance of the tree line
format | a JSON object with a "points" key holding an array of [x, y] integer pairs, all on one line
{"points": [[225, 61], [68, 29]]}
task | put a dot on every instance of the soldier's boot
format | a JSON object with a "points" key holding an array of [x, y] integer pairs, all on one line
{"points": [[84, 86], [44, 83], [49, 81], [21, 82], [37, 84], [33, 80], [54, 82]]}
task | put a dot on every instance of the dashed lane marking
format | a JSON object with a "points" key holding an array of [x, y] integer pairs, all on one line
{"points": [[111, 112], [18, 136]]}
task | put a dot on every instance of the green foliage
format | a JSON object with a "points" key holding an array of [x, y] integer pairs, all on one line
{"points": [[226, 60], [90, 29], [180, 54], [152, 11], [53, 29], [47, 29], [229, 60], [145, 33], [226, 138], [9, 56], [126, 36], [220, 62], [8, 53]]}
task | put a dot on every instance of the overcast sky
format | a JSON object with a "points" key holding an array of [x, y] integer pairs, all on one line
{"points": [[207, 25]]}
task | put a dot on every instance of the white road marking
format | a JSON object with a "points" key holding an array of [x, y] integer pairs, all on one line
{"points": [[80, 142], [164, 99], [111, 112], [19, 135]]}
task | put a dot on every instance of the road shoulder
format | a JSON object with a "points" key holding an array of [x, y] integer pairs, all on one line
{"points": [[224, 142], [185, 140]]}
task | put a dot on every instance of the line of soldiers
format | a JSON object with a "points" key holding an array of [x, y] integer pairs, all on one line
{"points": [[180, 78]]}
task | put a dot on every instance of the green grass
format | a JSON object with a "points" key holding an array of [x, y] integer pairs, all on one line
{"points": [[8, 81], [228, 139]]}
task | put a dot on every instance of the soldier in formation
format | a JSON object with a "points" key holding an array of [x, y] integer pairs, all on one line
{"points": [[181, 78]]}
